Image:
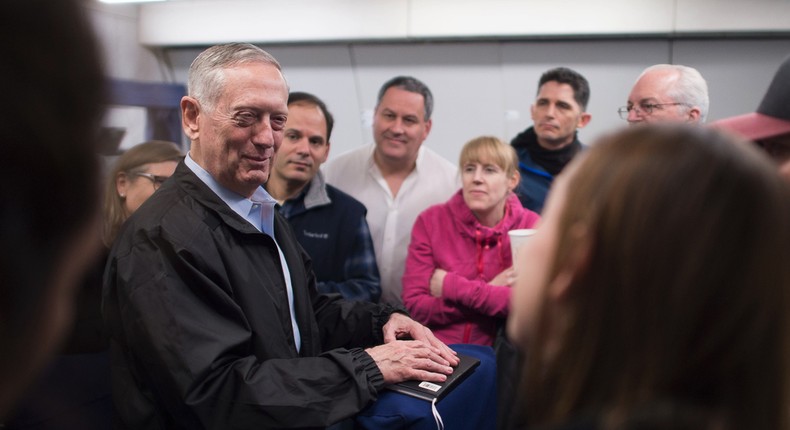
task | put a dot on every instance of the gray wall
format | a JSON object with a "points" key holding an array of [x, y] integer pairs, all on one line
{"points": [[124, 58], [480, 87], [487, 88]]}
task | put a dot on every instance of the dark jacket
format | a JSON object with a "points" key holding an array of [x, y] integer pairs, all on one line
{"points": [[201, 334], [88, 334], [331, 226], [535, 179]]}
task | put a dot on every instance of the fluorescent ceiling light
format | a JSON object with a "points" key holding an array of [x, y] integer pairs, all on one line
{"points": [[128, 1]]}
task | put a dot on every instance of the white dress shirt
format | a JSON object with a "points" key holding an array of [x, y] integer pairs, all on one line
{"points": [[433, 181]]}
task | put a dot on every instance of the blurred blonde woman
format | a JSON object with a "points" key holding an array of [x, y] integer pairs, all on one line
{"points": [[136, 175], [458, 269]]}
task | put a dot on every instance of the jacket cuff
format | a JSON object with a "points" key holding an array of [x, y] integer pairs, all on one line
{"points": [[382, 315], [369, 366], [450, 287]]}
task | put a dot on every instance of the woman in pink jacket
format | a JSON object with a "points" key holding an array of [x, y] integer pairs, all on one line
{"points": [[458, 270]]}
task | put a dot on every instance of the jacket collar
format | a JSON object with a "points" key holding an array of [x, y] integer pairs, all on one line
{"points": [[204, 195], [314, 195], [316, 192], [468, 224], [551, 161]]}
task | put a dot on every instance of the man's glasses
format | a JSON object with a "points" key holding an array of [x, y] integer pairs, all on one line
{"points": [[644, 109], [155, 179]]}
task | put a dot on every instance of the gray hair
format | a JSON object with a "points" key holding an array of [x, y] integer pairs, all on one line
{"points": [[412, 85], [207, 72], [690, 86]]}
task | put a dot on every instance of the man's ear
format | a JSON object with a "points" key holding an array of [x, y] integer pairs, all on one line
{"points": [[584, 119], [694, 114], [574, 266], [326, 154], [190, 112], [428, 125]]}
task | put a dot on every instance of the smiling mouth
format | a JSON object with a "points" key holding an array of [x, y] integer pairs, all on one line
{"points": [[395, 139], [257, 160]]}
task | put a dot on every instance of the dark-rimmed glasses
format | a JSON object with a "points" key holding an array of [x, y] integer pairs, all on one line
{"points": [[644, 109], [155, 179]]}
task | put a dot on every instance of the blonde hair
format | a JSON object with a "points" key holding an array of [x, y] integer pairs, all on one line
{"points": [[133, 160], [490, 149]]}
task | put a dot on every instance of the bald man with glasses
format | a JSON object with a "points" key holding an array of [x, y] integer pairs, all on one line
{"points": [[667, 93]]}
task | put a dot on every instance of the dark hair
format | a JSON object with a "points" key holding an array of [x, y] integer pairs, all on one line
{"points": [[49, 183], [564, 75], [684, 294], [302, 97], [412, 85]]}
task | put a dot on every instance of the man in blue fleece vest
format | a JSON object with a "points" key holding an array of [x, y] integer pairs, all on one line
{"points": [[329, 224]]}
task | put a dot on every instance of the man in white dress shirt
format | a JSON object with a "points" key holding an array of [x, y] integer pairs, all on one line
{"points": [[396, 178]]}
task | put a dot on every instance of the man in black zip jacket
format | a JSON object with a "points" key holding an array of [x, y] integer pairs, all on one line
{"points": [[211, 303], [543, 151], [551, 143]]}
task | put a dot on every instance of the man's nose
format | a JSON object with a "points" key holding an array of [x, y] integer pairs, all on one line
{"points": [[303, 146], [397, 126], [634, 115], [263, 134]]}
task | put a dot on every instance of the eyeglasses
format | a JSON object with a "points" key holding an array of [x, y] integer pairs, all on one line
{"points": [[644, 109], [155, 179]]}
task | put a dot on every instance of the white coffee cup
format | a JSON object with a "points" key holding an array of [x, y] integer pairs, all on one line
{"points": [[518, 238]]}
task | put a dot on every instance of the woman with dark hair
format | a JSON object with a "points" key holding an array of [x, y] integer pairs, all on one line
{"points": [[655, 292]]}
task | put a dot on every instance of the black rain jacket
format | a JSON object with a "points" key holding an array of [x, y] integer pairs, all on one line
{"points": [[201, 334]]}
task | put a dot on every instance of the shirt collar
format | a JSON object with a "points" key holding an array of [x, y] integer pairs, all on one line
{"points": [[418, 163], [238, 203]]}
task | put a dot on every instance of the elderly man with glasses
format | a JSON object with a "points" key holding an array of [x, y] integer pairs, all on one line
{"points": [[667, 93]]}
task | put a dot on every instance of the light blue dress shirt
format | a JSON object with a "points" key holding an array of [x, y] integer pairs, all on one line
{"points": [[258, 210]]}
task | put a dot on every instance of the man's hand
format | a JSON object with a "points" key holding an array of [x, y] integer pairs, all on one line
{"points": [[400, 326], [402, 360], [437, 282]]}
